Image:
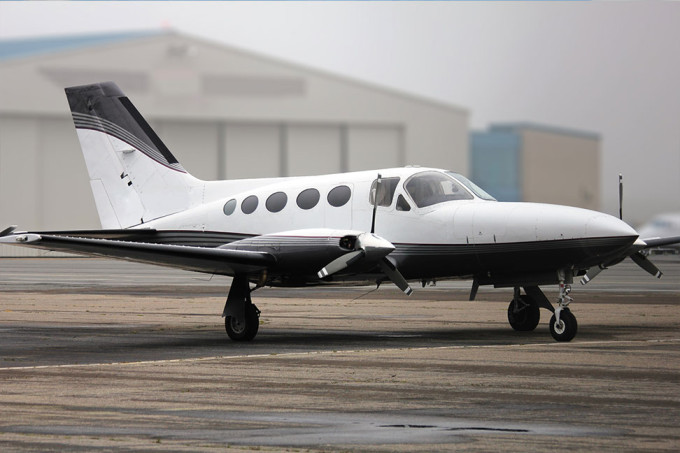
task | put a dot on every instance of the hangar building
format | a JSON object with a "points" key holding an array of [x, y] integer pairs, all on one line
{"points": [[537, 163], [224, 113]]}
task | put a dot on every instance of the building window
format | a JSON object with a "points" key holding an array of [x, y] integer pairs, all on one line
{"points": [[249, 205], [276, 202], [229, 207], [339, 196], [308, 198]]}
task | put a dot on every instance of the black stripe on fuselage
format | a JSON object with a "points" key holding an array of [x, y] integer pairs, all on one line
{"points": [[415, 261], [433, 260]]}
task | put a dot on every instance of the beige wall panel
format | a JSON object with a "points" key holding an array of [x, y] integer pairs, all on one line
{"points": [[194, 144], [65, 195], [19, 176], [561, 169], [252, 151], [373, 147], [313, 150]]}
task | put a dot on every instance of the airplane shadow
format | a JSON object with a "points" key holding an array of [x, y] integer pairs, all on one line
{"points": [[37, 345]]}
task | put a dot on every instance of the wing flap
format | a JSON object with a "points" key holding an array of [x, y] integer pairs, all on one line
{"points": [[200, 259]]}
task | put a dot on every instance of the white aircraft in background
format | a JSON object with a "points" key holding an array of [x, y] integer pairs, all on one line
{"points": [[397, 224]]}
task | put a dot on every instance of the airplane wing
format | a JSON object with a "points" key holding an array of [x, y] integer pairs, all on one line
{"points": [[318, 253], [200, 259]]}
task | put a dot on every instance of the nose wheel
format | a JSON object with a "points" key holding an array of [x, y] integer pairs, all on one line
{"points": [[563, 328], [563, 325]]}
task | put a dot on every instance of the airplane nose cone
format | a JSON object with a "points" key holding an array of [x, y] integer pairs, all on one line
{"points": [[603, 225]]}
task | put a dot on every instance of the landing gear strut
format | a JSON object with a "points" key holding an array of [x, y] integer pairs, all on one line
{"points": [[241, 316], [563, 325]]}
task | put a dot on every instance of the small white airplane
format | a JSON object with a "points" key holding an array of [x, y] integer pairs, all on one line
{"points": [[397, 224]]}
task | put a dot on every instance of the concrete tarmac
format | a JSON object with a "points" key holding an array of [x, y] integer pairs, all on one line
{"points": [[105, 355]]}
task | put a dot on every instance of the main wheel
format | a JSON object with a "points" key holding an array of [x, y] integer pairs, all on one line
{"points": [[524, 315], [566, 329], [243, 329]]}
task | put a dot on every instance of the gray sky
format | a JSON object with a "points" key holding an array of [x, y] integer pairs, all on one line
{"points": [[611, 68]]}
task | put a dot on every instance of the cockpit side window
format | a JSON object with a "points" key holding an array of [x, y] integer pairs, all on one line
{"points": [[386, 190], [402, 204], [432, 187]]}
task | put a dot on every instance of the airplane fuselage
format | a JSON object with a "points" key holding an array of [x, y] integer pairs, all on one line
{"points": [[463, 237]]}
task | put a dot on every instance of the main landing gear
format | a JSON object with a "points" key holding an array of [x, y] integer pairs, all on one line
{"points": [[241, 316], [524, 314]]}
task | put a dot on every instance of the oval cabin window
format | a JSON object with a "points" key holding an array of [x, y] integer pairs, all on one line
{"points": [[249, 205], [339, 196], [308, 198], [276, 202], [229, 207]]}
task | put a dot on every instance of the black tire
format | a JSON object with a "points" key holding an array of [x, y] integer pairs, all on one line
{"points": [[246, 329], [525, 316], [567, 328]]}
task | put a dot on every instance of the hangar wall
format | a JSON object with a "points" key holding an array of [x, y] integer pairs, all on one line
{"points": [[224, 113]]}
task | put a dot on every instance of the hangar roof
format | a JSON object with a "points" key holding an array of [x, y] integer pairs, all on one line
{"points": [[172, 74], [28, 47]]}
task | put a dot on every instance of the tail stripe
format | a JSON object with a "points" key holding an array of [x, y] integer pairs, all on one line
{"points": [[97, 123]]}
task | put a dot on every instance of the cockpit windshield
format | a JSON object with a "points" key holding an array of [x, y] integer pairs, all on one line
{"points": [[474, 188], [431, 187]]}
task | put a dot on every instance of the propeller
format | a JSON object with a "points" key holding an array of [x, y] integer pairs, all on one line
{"points": [[368, 246], [634, 253]]}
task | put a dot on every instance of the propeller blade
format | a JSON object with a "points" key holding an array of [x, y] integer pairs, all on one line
{"points": [[7, 231], [341, 263], [395, 276], [375, 202], [620, 196], [642, 261], [592, 273]]}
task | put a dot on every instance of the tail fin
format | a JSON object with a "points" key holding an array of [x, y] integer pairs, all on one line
{"points": [[134, 177]]}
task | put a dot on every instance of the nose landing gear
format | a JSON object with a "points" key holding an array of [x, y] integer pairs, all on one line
{"points": [[563, 325]]}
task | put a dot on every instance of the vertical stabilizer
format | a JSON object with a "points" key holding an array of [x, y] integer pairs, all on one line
{"points": [[134, 177]]}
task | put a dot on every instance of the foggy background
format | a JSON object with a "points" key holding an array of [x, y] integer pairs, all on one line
{"points": [[609, 68]]}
